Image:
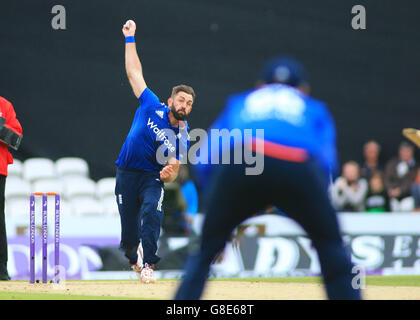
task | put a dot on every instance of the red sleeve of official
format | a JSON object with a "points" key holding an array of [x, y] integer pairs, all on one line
{"points": [[8, 112]]}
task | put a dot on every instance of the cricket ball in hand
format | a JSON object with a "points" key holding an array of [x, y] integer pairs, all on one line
{"points": [[130, 23]]}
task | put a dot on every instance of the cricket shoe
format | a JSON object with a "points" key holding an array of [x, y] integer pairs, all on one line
{"points": [[137, 268], [147, 274]]}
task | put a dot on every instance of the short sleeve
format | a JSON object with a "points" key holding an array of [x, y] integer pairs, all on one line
{"points": [[9, 113], [148, 99]]}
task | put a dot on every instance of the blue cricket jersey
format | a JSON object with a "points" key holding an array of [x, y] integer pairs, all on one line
{"points": [[288, 117], [151, 134]]}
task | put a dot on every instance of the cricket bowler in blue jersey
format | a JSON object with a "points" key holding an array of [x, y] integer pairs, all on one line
{"points": [[150, 156], [298, 152]]}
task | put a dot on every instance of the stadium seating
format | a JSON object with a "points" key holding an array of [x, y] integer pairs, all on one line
{"points": [[38, 168], [85, 206], [105, 187], [68, 176], [17, 207], [17, 188], [109, 205], [17, 193], [105, 190], [48, 185], [72, 166], [15, 169], [77, 186]]}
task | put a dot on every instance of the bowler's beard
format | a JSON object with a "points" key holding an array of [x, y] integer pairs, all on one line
{"points": [[178, 116]]}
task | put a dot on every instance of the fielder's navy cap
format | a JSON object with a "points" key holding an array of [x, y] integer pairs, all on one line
{"points": [[285, 70]]}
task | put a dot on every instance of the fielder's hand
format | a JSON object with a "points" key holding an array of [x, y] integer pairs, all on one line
{"points": [[129, 28]]}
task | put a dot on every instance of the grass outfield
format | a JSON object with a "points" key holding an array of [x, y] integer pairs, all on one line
{"points": [[5, 294], [51, 296], [397, 281]]}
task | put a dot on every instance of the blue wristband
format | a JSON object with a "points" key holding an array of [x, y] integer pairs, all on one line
{"points": [[129, 39]]}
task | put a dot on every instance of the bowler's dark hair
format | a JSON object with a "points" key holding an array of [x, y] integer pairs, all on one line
{"points": [[183, 88]]}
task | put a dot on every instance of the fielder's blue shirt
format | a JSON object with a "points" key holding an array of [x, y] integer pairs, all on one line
{"points": [[288, 117], [151, 135]]}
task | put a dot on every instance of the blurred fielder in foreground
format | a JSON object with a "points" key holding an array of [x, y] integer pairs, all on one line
{"points": [[142, 165], [298, 152]]}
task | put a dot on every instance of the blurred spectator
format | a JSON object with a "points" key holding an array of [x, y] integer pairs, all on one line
{"points": [[348, 192], [174, 222], [415, 191], [377, 199], [400, 173], [371, 151], [190, 194]]}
